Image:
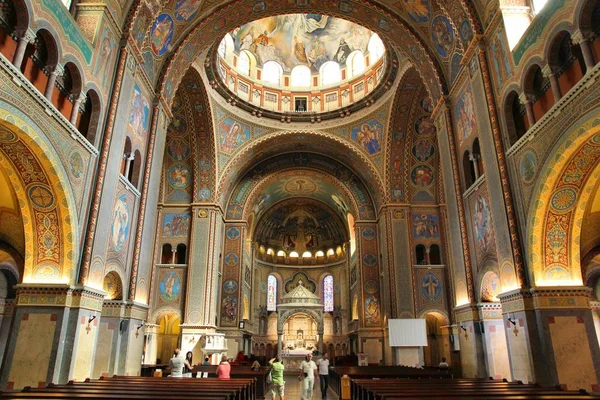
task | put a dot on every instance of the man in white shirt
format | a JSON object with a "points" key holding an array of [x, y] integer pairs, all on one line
{"points": [[323, 365], [308, 370]]}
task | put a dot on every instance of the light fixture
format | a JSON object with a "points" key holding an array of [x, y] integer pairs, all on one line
{"points": [[140, 326], [93, 317], [512, 320], [242, 324]]}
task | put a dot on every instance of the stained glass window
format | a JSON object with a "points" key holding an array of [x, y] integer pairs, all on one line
{"points": [[271, 293], [328, 293]]}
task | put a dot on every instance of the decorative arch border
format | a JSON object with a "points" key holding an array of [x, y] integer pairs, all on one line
{"points": [[559, 202], [284, 315], [255, 191], [227, 178], [240, 194], [46, 202], [442, 313], [378, 18]]}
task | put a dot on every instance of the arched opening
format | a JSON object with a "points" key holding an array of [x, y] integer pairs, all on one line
{"points": [[566, 61], [435, 256], [8, 280], [8, 24], [352, 231], [88, 122], [135, 169], [168, 336], [376, 48], [515, 116], [438, 343], [40, 56], [590, 25], [113, 286], [244, 63], [272, 72], [67, 89], [356, 63], [181, 253], [477, 159], [537, 89], [166, 256], [420, 255], [127, 157], [490, 287], [300, 76], [468, 170], [330, 73]]}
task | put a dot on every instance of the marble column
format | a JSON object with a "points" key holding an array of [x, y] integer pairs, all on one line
{"points": [[471, 344], [551, 336], [52, 75], [53, 336], [151, 344], [76, 104], [524, 99], [583, 41], [549, 73], [493, 336], [24, 39]]}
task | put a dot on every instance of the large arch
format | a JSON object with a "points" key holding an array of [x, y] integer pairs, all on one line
{"points": [[393, 23], [43, 192], [558, 204]]}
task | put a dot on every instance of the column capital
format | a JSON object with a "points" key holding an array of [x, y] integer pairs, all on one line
{"points": [[547, 71], [524, 98], [25, 34], [579, 36]]}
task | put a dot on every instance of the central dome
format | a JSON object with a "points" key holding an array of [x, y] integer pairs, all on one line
{"points": [[301, 63]]}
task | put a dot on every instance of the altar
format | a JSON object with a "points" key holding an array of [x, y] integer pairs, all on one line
{"points": [[300, 325]]}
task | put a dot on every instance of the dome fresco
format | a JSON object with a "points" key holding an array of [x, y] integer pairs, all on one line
{"points": [[301, 39]]}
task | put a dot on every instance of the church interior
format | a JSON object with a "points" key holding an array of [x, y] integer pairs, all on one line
{"points": [[286, 177]]}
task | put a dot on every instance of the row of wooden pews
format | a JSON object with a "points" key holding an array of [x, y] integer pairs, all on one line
{"points": [[471, 389], [138, 388]]}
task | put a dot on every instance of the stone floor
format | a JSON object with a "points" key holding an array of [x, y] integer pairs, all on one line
{"points": [[293, 390]]}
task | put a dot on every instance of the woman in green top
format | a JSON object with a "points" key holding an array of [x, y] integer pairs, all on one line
{"points": [[277, 382]]}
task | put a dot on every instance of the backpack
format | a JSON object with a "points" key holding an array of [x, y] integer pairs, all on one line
{"points": [[269, 377]]}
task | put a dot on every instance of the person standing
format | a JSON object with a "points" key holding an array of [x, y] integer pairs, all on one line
{"points": [[177, 363], [308, 370], [277, 382], [323, 365]]}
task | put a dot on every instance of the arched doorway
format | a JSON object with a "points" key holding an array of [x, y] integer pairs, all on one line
{"points": [[438, 345], [168, 334]]}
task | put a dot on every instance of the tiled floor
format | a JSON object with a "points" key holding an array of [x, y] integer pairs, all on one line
{"points": [[293, 390]]}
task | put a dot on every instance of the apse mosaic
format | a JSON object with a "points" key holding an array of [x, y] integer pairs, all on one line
{"points": [[442, 35], [306, 39], [140, 113], [369, 135], [121, 223], [464, 115], [425, 226], [170, 286], [161, 34], [176, 225], [419, 11], [232, 134], [431, 287], [185, 10]]}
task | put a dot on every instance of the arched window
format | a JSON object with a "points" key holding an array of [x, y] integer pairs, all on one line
{"points": [[270, 252], [306, 254], [330, 73], [376, 48], [356, 62], [181, 253], [420, 255], [271, 293], [244, 63], [272, 72], [328, 293], [468, 170], [435, 257], [166, 254], [281, 253], [301, 76], [350, 218], [222, 48], [294, 254]]}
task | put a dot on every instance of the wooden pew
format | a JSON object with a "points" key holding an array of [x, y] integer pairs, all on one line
{"points": [[391, 389], [144, 388]]}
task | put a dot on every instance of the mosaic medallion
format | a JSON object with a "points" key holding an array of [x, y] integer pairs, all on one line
{"points": [[368, 234], [564, 199], [76, 165], [370, 259], [233, 233], [41, 196]]}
